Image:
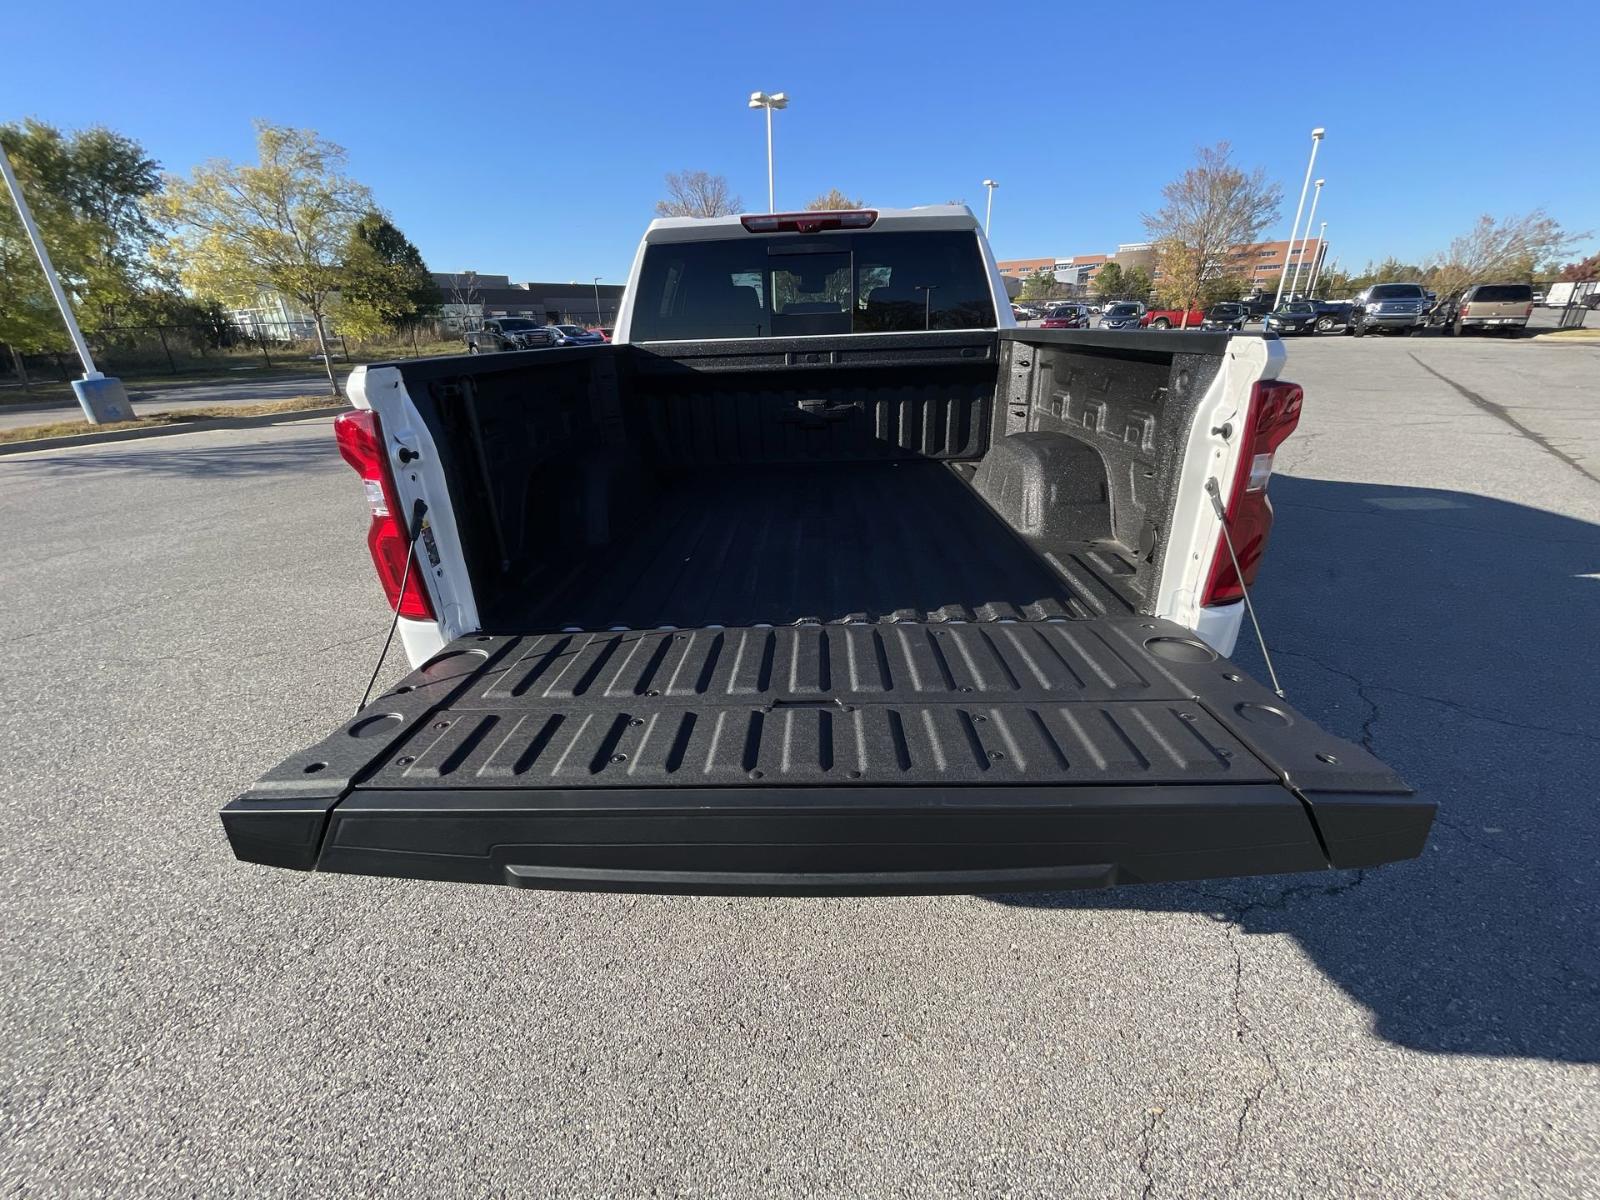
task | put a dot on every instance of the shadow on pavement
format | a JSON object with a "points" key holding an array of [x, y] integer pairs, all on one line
{"points": [[314, 450], [1456, 636]]}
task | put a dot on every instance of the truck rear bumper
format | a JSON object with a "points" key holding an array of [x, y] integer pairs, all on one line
{"points": [[893, 758]]}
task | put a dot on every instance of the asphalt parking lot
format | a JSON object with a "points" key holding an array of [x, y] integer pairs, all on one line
{"points": [[183, 612]]}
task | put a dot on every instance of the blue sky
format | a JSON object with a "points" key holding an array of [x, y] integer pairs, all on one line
{"points": [[531, 140]]}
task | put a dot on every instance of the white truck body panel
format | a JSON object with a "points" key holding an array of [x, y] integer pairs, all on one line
{"points": [[1192, 542]]}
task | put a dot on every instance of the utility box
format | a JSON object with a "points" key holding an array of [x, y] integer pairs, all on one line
{"points": [[104, 400]]}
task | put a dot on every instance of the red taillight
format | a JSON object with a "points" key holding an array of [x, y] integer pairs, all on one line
{"points": [[1274, 412], [1528, 312], [809, 222], [360, 439], [1465, 309]]}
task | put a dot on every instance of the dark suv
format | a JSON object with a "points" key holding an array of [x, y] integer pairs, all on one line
{"points": [[1398, 307], [511, 333]]}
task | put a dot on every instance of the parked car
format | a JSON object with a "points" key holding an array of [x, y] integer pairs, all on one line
{"points": [[1258, 305], [1025, 312], [605, 334], [1394, 307], [1172, 318], [1227, 314], [1066, 316], [1122, 314], [1538, 297], [700, 611], [510, 333], [577, 335], [1502, 306], [1307, 316]]}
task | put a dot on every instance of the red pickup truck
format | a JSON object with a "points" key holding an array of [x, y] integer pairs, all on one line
{"points": [[1168, 318]]}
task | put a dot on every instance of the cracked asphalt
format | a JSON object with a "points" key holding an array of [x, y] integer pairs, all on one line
{"points": [[183, 612]]}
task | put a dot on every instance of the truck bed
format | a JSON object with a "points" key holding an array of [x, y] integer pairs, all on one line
{"points": [[827, 542], [824, 617]]}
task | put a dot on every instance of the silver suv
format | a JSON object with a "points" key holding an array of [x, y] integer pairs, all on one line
{"points": [[1401, 307]]}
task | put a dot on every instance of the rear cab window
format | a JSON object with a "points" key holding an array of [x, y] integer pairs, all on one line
{"points": [[1502, 293], [796, 286]]}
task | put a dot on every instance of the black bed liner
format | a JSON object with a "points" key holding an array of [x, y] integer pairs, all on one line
{"points": [[857, 757], [829, 542]]}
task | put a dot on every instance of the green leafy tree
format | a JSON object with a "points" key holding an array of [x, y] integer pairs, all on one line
{"points": [[1108, 280], [385, 284], [280, 226], [1333, 282], [834, 199], [1040, 285], [1208, 211], [1390, 270], [1137, 284], [88, 193]]}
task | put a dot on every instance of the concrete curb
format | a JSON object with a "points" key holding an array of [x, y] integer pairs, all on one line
{"points": [[201, 425], [1588, 337]]}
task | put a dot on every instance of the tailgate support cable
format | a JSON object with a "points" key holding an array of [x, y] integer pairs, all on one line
{"points": [[1215, 492], [418, 511]]}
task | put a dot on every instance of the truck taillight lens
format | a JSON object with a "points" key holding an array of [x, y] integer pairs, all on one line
{"points": [[360, 439], [1274, 412]]}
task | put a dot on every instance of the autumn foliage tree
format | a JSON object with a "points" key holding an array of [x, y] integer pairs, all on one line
{"points": [[834, 199], [1208, 211], [280, 225], [1510, 249], [1582, 271]]}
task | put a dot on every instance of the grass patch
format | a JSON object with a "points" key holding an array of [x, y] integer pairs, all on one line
{"points": [[53, 429]]}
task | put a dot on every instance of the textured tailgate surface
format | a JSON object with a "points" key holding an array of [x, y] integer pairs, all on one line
{"points": [[1059, 702]]}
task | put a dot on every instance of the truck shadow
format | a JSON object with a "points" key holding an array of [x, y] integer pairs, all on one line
{"points": [[311, 451], [1455, 635]]}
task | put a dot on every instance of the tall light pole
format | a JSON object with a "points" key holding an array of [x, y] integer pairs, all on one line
{"points": [[102, 398], [1294, 287], [776, 100], [988, 207], [598, 319], [1322, 257], [1316, 140]]}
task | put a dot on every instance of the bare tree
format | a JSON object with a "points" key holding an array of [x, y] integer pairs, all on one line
{"points": [[834, 199], [1510, 249], [1210, 210], [697, 194], [462, 289]]}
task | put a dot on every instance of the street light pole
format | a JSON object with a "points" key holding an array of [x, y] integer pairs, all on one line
{"points": [[1322, 257], [102, 399], [1310, 217], [598, 319], [988, 207], [775, 100], [1316, 140]]}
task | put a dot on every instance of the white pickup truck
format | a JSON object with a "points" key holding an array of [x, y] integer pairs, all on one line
{"points": [[823, 577]]}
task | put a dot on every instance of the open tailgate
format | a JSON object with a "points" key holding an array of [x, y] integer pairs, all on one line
{"points": [[893, 757]]}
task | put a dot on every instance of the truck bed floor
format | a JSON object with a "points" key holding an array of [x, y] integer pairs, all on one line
{"points": [[872, 541]]}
